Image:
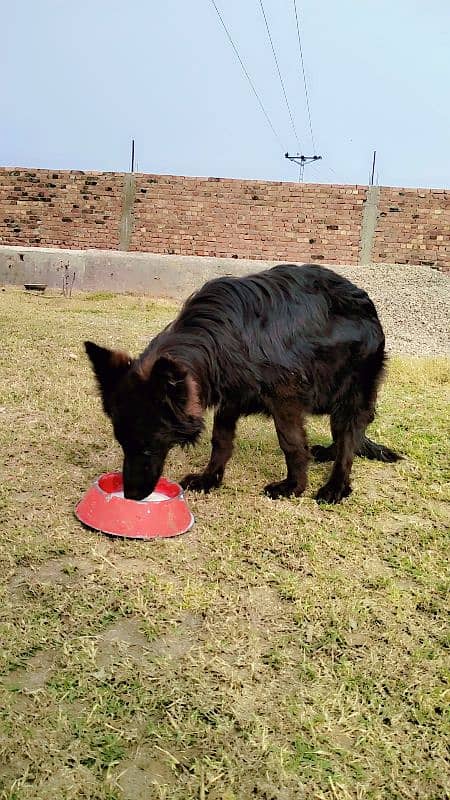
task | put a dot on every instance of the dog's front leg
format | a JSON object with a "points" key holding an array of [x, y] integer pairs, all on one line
{"points": [[224, 431]]}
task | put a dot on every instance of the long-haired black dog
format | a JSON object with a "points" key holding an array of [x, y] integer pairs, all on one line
{"points": [[286, 342]]}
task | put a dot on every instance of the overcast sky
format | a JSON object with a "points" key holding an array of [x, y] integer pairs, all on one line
{"points": [[80, 79]]}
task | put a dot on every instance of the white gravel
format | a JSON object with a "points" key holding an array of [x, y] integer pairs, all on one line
{"points": [[413, 304]]}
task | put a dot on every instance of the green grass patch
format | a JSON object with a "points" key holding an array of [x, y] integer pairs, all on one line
{"points": [[278, 651]]}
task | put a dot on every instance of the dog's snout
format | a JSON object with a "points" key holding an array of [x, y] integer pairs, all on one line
{"points": [[134, 494], [140, 477]]}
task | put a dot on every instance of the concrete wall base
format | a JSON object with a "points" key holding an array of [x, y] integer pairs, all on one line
{"points": [[113, 271]]}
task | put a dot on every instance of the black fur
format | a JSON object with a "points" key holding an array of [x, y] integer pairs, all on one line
{"points": [[286, 342]]}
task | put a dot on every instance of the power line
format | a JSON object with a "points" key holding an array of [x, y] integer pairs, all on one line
{"points": [[279, 72], [304, 75], [330, 170], [244, 69]]}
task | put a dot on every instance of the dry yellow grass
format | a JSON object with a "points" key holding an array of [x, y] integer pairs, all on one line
{"points": [[278, 651]]}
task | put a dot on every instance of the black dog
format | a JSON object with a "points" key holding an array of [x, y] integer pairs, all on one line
{"points": [[286, 342]]}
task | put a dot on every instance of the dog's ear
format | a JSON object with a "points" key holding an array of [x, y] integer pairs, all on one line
{"points": [[168, 378], [109, 367], [172, 382]]}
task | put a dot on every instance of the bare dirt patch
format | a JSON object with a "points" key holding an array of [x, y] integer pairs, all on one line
{"points": [[181, 640], [59, 572], [145, 775], [35, 675], [123, 640]]}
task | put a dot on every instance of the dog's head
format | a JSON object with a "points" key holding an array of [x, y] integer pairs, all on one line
{"points": [[152, 405]]}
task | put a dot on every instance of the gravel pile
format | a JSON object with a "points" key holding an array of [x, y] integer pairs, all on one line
{"points": [[413, 304]]}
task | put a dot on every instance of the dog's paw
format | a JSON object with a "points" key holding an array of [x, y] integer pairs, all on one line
{"points": [[333, 493], [322, 454], [282, 489], [200, 482]]}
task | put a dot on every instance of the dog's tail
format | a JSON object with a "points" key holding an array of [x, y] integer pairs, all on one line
{"points": [[377, 452]]}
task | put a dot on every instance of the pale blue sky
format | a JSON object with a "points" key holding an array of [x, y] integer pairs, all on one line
{"points": [[79, 78]]}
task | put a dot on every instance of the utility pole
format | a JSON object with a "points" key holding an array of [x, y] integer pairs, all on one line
{"points": [[132, 155], [302, 161]]}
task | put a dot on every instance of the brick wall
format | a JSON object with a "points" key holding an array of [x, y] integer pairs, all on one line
{"points": [[247, 219], [220, 217], [413, 227], [49, 208]]}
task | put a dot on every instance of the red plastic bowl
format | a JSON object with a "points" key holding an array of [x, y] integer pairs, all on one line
{"points": [[103, 510]]}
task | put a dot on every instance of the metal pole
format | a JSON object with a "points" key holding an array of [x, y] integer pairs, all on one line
{"points": [[373, 167], [132, 155]]}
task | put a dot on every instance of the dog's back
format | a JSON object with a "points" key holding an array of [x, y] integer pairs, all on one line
{"points": [[304, 322]]}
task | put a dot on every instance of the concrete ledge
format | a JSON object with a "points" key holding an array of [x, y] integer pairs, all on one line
{"points": [[114, 271], [174, 277]]}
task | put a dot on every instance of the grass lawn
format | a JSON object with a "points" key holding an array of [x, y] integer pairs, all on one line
{"points": [[278, 651]]}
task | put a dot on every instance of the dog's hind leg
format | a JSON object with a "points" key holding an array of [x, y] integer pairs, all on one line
{"points": [[348, 424], [362, 398], [224, 430], [289, 424], [322, 453]]}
